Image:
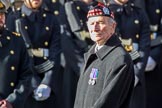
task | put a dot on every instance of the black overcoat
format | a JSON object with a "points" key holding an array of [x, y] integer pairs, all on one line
{"points": [[15, 74]]}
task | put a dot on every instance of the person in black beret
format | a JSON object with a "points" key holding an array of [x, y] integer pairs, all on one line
{"points": [[107, 78]]}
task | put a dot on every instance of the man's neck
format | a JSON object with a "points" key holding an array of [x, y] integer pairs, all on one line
{"points": [[100, 43], [98, 47]]}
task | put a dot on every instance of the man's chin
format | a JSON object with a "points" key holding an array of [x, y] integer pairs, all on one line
{"points": [[98, 39]]}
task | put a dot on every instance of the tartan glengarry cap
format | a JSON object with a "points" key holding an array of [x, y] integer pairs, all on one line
{"points": [[99, 9]]}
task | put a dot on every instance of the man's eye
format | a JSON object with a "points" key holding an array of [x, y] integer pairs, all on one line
{"points": [[91, 23], [101, 22]]}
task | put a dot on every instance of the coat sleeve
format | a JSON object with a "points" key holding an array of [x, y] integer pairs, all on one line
{"points": [[144, 44], [155, 52], [51, 77], [22, 89], [118, 84]]}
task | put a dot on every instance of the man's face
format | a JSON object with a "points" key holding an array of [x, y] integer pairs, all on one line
{"points": [[100, 29], [35, 4], [2, 20]]}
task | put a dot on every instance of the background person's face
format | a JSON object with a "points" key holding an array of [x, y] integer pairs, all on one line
{"points": [[2, 20], [33, 3], [100, 29]]}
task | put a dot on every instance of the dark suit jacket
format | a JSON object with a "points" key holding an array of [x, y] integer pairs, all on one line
{"points": [[43, 30]]}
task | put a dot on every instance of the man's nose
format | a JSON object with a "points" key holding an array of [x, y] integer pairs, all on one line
{"points": [[96, 27]]}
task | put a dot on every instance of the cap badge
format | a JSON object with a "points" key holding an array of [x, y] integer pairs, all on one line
{"points": [[106, 11]]}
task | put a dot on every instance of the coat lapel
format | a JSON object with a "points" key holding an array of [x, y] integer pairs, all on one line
{"points": [[90, 56]]}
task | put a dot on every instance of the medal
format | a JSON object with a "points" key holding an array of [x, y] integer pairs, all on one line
{"points": [[93, 76]]}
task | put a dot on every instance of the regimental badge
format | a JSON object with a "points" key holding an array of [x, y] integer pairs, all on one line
{"points": [[93, 76], [106, 11]]}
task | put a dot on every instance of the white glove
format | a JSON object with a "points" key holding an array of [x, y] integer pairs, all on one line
{"points": [[139, 65], [42, 92], [151, 64], [136, 80]]}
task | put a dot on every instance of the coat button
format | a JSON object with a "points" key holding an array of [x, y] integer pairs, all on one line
{"points": [[157, 11], [53, 1], [8, 38], [45, 58], [136, 21], [56, 12], [26, 27], [12, 84], [137, 36], [47, 28], [12, 68], [12, 52], [23, 15], [46, 43], [44, 15], [78, 8]]}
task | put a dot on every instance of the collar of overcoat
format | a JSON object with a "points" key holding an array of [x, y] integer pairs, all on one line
{"points": [[112, 43]]}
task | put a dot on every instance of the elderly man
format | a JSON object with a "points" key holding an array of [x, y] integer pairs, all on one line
{"points": [[107, 78], [15, 75]]}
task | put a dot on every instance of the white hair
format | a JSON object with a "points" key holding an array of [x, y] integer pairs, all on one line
{"points": [[111, 20]]}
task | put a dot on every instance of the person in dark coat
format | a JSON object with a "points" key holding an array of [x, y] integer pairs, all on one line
{"points": [[12, 13], [41, 32], [75, 42], [15, 73], [152, 73], [107, 78], [133, 29]]}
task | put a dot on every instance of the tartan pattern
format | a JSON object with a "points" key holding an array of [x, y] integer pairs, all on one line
{"points": [[99, 9]]}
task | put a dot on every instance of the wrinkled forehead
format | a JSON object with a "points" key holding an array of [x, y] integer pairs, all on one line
{"points": [[96, 19]]}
